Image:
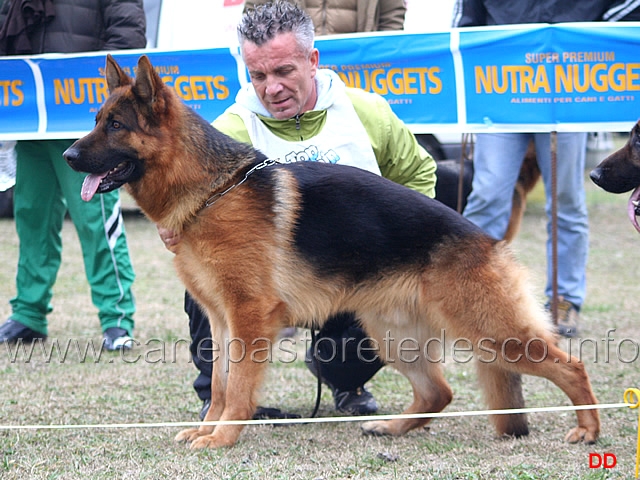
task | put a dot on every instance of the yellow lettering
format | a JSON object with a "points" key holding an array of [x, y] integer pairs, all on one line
{"points": [[410, 80], [394, 81], [17, 92], [61, 91], [182, 87], [483, 80], [379, 87], [599, 81], [513, 78], [600, 77], [632, 76], [435, 80], [505, 79], [197, 88], [102, 91], [564, 79], [541, 81], [5, 84], [397, 81], [78, 91], [223, 90]]}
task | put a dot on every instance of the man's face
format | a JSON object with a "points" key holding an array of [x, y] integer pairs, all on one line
{"points": [[282, 75]]}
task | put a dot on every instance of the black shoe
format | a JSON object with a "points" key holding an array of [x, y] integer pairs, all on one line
{"points": [[11, 331], [262, 413], [355, 402], [116, 338]]}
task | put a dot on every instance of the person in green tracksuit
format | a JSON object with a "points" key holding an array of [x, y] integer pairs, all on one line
{"points": [[47, 188]]}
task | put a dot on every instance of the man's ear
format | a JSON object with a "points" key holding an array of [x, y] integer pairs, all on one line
{"points": [[314, 59]]}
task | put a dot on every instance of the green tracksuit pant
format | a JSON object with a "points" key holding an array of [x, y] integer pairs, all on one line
{"points": [[46, 188]]}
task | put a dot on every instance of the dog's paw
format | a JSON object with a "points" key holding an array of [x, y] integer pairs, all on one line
{"points": [[377, 428], [582, 434], [210, 441], [188, 435]]}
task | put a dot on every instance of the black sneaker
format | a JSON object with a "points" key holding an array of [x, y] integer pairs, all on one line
{"points": [[12, 331], [116, 338], [262, 413], [354, 402], [568, 317]]}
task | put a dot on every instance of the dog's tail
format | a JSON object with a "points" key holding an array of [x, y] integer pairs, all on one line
{"points": [[502, 390]]}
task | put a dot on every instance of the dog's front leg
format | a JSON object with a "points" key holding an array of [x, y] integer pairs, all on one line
{"points": [[244, 380], [218, 385], [245, 365]]}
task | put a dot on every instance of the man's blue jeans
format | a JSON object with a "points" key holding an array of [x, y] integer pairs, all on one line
{"points": [[497, 161]]}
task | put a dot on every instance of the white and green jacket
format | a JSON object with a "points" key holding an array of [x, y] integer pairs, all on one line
{"points": [[398, 155]]}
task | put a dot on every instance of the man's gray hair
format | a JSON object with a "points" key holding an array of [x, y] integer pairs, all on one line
{"points": [[262, 23]]}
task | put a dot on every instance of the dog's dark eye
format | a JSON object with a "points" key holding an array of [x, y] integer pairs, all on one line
{"points": [[116, 125]]}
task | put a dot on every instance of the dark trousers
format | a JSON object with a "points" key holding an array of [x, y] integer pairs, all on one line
{"points": [[345, 363]]}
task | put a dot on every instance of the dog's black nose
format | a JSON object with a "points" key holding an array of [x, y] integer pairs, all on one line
{"points": [[71, 156], [69, 153], [595, 175]]}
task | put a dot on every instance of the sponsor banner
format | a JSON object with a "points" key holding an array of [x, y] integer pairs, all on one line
{"points": [[55, 96], [558, 77], [414, 72], [564, 77]]}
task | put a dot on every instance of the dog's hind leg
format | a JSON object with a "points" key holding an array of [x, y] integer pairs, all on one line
{"points": [[503, 390], [541, 357], [431, 394]]}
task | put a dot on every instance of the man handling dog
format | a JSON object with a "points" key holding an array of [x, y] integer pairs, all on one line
{"points": [[292, 107]]}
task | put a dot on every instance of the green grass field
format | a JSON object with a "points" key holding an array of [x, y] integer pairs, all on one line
{"points": [[152, 384]]}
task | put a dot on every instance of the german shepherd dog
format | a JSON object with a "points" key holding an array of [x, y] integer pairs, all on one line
{"points": [[620, 173], [267, 245]]}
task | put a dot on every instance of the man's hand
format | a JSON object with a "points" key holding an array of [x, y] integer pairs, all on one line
{"points": [[170, 238]]}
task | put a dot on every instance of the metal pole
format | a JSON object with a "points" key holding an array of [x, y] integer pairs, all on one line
{"points": [[554, 226]]}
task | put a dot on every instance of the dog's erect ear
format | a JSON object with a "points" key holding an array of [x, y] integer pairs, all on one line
{"points": [[147, 81], [114, 74]]}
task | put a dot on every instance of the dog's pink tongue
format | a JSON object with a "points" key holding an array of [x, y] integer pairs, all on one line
{"points": [[90, 185], [631, 208]]}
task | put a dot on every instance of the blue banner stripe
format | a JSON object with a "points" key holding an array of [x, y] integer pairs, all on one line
{"points": [[564, 77]]}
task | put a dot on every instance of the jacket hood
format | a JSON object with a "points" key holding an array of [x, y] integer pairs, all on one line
{"points": [[328, 83]]}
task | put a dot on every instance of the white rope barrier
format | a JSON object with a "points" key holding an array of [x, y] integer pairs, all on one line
{"points": [[289, 421]]}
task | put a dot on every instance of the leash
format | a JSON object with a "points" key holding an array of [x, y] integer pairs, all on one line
{"points": [[215, 197], [269, 413], [316, 363], [467, 141]]}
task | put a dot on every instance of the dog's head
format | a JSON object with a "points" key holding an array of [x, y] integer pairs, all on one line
{"points": [[112, 153], [620, 172]]}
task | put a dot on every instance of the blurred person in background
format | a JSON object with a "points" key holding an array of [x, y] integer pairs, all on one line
{"points": [[498, 156], [47, 188]]}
